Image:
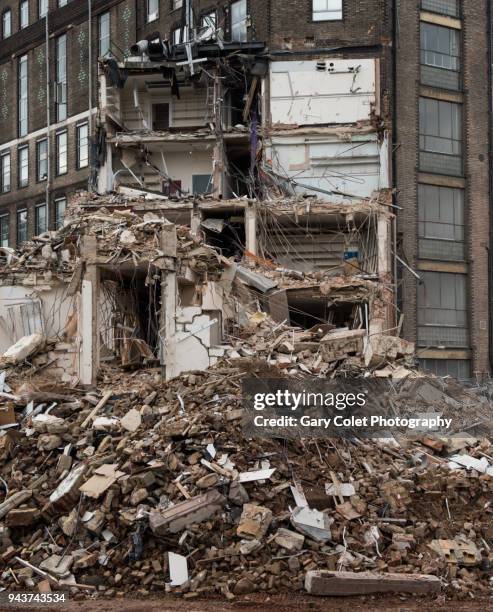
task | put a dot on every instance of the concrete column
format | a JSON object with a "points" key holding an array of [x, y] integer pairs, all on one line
{"points": [[89, 333], [169, 290], [251, 229]]}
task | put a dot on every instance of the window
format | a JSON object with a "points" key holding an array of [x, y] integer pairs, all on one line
{"points": [[7, 24], [24, 14], [152, 10], [440, 56], [4, 230], [160, 117], [5, 172], [445, 7], [23, 98], [61, 77], [441, 223], [208, 23], [440, 136], [442, 310], [23, 166], [177, 4], [178, 36], [104, 34], [40, 220], [42, 8], [327, 10], [82, 146], [61, 153], [201, 183], [458, 368], [60, 207], [42, 160], [239, 21], [21, 227]]}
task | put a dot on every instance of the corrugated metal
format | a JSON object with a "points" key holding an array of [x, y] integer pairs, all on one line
{"points": [[327, 91]]}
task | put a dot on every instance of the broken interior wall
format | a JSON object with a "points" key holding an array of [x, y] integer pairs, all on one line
{"points": [[47, 309], [306, 97]]}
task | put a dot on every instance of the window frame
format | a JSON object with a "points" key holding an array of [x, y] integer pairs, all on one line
{"points": [[243, 20], [424, 137], [3, 156], [20, 166], [3, 217], [19, 212], [23, 95], [151, 17], [78, 141], [101, 16], [56, 203], [43, 5], [40, 142], [6, 12], [339, 11], [59, 152], [37, 231], [22, 5], [61, 76], [424, 27]]}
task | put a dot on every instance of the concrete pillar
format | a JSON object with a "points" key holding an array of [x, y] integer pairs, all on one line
{"points": [[251, 229], [89, 333], [169, 291]]}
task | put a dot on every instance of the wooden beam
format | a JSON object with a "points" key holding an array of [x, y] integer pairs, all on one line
{"points": [[344, 584]]}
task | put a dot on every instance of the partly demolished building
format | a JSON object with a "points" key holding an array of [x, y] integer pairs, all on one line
{"points": [[237, 116]]}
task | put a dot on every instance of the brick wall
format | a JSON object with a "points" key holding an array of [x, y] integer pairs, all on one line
{"points": [[407, 87], [477, 174]]}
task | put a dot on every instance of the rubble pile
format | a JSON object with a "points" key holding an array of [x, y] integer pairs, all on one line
{"points": [[143, 486]]}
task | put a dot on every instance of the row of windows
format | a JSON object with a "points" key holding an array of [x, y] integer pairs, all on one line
{"points": [[41, 222], [61, 154], [322, 10], [42, 9]]}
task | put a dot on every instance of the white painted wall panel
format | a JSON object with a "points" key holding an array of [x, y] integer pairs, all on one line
{"points": [[329, 164], [328, 91]]}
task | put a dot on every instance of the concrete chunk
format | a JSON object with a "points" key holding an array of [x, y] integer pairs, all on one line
{"points": [[179, 516], [326, 583]]}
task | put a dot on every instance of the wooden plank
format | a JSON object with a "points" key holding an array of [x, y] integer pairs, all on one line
{"points": [[344, 584]]}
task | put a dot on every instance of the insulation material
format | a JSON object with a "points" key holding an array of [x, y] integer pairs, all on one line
{"points": [[327, 91]]}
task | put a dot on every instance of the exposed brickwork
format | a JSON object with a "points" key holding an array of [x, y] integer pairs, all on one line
{"points": [[407, 88], [475, 42]]}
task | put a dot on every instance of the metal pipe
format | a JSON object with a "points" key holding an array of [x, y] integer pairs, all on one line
{"points": [[48, 117]]}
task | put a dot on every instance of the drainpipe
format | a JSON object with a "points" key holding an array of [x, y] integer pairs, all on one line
{"points": [[48, 118]]}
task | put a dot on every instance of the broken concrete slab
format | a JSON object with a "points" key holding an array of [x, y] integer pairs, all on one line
{"points": [[254, 522], [178, 569], [22, 349], [312, 523], [131, 421], [345, 584], [104, 476], [179, 516], [290, 540]]}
